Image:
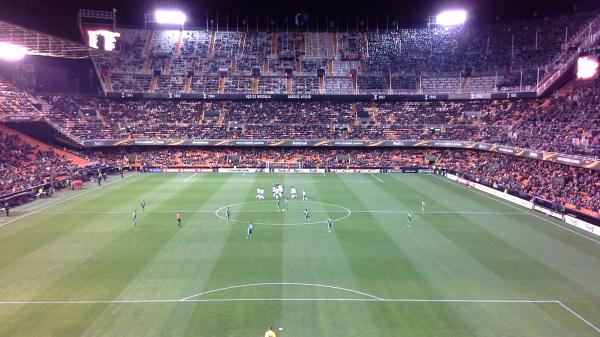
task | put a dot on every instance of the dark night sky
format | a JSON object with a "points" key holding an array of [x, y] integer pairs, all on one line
{"points": [[60, 16]]}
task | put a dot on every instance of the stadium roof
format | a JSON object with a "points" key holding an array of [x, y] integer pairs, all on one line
{"points": [[42, 44]]}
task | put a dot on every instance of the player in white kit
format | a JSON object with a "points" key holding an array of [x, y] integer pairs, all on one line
{"points": [[294, 193]]}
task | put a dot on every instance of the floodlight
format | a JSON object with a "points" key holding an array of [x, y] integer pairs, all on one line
{"points": [[451, 18], [11, 52], [587, 67], [170, 17]]}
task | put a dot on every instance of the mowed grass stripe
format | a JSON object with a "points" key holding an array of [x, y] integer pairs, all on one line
{"points": [[529, 253], [464, 239], [23, 237], [439, 259], [242, 261], [370, 250], [102, 275], [43, 256], [311, 254], [436, 259], [181, 266], [530, 238], [570, 235]]}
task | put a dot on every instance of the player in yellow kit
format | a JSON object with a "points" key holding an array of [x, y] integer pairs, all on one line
{"points": [[270, 332]]}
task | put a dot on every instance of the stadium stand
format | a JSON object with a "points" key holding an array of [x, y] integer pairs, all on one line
{"points": [[27, 163], [505, 56], [16, 102], [500, 56], [566, 122]]}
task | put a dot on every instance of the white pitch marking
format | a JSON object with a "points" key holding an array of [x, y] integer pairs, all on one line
{"points": [[374, 176], [332, 211], [517, 208], [579, 316], [347, 211], [190, 177], [281, 284], [296, 182], [67, 199], [392, 300]]}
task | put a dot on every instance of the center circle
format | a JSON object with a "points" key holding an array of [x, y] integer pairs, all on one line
{"points": [[220, 213]]}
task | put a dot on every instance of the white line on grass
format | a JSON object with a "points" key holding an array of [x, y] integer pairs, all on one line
{"points": [[347, 211], [273, 299], [374, 176], [369, 298], [61, 201], [296, 182], [519, 208], [392, 300], [272, 211], [281, 284], [578, 316], [190, 177]]}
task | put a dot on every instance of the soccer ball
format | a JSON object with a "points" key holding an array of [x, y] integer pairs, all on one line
{"points": [[280, 329]]}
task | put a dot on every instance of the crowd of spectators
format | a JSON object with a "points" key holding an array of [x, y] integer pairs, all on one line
{"points": [[569, 186], [567, 122], [496, 56], [16, 102], [263, 157], [24, 166]]}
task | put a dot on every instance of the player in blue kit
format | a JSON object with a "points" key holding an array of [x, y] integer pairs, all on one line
{"points": [[409, 218]]}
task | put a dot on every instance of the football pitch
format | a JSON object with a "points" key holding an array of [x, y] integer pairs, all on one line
{"points": [[470, 265]]}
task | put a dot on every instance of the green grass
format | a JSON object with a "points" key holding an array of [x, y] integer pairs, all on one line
{"points": [[75, 266]]}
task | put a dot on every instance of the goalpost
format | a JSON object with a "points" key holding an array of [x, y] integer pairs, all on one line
{"points": [[283, 166]]}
